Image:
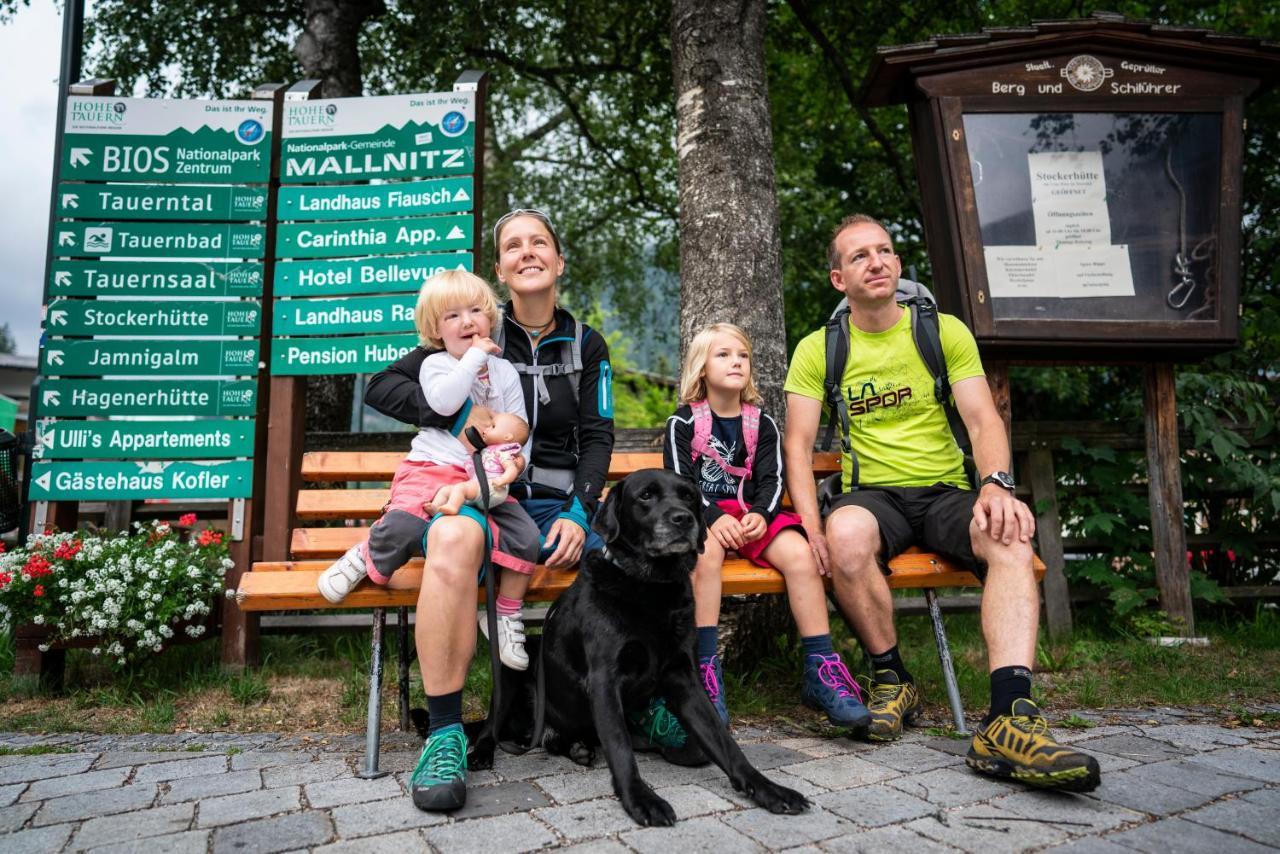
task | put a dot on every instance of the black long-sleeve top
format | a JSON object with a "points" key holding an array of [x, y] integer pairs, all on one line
{"points": [[565, 435], [762, 493]]}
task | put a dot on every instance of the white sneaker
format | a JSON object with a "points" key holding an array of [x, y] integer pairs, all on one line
{"points": [[342, 576], [510, 639]]}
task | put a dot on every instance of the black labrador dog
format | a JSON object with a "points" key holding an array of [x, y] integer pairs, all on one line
{"points": [[622, 634]]}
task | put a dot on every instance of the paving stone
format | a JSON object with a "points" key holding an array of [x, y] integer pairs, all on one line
{"points": [[1245, 761], [1254, 815], [658, 772], [580, 786], [1134, 747], [1074, 813], [108, 802], [269, 759], [706, 835], [401, 842], [90, 781], [1066, 735], [382, 817], [22, 769], [501, 799], [211, 785], [777, 831], [161, 771], [818, 748], [35, 840], [229, 809], [1193, 776], [10, 793], [352, 790], [911, 757], [140, 824], [125, 758], [507, 833], [1144, 795], [721, 787], [1089, 845], [1197, 737], [950, 787], [596, 846], [765, 756], [982, 827], [881, 839], [692, 800], [14, 817], [840, 772], [1176, 836], [535, 763], [399, 761], [310, 772], [269, 835], [188, 842], [875, 805], [587, 819]]}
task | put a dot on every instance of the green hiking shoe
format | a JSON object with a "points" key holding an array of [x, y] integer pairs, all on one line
{"points": [[657, 729], [439, 783]]}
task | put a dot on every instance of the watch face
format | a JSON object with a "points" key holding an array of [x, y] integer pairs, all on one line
{"points": [[1002, 478]]}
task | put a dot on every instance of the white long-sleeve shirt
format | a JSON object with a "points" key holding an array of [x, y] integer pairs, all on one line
{"points": [[448, 383]]}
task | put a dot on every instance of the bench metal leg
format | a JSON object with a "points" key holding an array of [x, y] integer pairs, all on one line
{"points": [[402, 662], [944, 657], [373, 734]]}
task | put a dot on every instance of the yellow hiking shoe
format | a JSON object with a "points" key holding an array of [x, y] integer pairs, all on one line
{"points": [[1018, 746], [892, 704]]}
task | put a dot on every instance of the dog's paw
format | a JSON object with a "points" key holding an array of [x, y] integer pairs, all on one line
{"points": [[649, 810], [480, 756], [779, 799], [581, 754]]}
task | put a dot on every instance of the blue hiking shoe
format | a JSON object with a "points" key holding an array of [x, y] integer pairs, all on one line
{"points": [[439, 783], [829, 688], [713, 682]]}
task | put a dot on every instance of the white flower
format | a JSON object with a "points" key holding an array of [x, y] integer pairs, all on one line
{"points": [[38, 619], [97, 650], [44, 647]]}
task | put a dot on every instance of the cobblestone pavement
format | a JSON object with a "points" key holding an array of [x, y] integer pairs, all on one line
{"points": [[1173, 781]]}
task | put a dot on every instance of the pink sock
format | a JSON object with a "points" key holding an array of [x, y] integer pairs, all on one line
{"points": [[509, 607]]}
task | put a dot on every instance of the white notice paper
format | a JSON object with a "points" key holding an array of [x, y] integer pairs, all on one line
{"points": [[1069, 197], [1062, 272]]}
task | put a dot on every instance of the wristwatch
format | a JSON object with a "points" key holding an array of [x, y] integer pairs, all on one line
{"points": [[999, 478]]}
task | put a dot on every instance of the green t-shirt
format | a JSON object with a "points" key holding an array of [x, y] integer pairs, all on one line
{"points": [[898, 429]]}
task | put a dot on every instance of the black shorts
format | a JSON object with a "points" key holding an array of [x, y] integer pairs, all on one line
{"points": [[935, 518]]}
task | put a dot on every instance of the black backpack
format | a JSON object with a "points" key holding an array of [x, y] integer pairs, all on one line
{"points": [[570, 364]]}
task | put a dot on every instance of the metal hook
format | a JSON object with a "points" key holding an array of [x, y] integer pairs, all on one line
{"points": [[1181, 293]]}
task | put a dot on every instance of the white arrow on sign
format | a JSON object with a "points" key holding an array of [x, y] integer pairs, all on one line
{"points": [[55, 357], [57, 317], [70, 200], [46, 437], [62, 277], [80, 156], [66, 238], [43, 480], [461, 195], [456, 233], [52, 397]]}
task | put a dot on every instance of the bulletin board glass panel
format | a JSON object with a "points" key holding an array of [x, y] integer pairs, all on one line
{"points": [[1098, 216]]}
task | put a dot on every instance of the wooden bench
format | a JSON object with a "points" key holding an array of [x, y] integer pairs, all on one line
{"points": [[291, 585]]}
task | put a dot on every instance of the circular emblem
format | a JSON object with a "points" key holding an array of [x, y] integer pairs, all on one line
{"points": [[453, 123], [1086, 73], [331, 109], [118, 106], [249, 131]]}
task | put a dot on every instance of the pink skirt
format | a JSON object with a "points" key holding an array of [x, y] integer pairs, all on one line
{"points": [[753, 551]]}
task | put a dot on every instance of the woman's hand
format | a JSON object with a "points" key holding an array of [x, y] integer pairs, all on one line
{"points": [[568, 538], [728, 532], [754, 527]]}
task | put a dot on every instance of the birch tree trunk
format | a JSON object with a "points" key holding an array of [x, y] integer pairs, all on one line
{"points": [[730, 248]]}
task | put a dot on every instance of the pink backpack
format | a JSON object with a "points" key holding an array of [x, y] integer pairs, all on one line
{"points": [[701, 443]]}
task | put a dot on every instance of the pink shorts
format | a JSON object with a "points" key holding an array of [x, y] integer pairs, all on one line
{"points": [[753, 551]]}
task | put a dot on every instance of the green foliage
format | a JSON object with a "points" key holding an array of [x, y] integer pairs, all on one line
{"points": [[7, 344]]}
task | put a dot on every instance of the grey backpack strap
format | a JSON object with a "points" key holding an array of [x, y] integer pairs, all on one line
{"points": [[837, 357], [927, 334]]}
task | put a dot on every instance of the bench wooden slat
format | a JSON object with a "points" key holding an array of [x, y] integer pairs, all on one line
{"points": [[341, 503]]}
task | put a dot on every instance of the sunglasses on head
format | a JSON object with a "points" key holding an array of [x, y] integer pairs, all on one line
{"points": [[512, 214]]}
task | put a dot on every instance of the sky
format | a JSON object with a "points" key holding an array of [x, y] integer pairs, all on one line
{"points": [[30, 44]]}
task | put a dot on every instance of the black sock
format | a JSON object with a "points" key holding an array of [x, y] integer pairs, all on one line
{"points": [[1008, 684], [891, 659], [708, 637], [444, 710], [817, 645]]}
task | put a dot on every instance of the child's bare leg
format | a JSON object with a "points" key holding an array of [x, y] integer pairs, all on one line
{"points": [[707, 584], [512, 584], [790, 554]]}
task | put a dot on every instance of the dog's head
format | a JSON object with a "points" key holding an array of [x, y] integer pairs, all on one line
{"points": [[650, 517]]}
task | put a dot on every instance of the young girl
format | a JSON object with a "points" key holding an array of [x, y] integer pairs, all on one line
{"points": [[720, 439], [456, 311]]}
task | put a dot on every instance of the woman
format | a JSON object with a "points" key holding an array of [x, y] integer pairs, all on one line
{"points": [[567, 383]]}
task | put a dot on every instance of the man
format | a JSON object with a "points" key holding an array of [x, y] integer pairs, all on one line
{"points": [[912, 489]]}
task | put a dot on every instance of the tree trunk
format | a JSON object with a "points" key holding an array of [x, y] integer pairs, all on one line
{"points": [[730, 248], [328, 51]]}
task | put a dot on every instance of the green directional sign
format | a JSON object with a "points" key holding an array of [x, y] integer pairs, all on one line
{"points": [[147, 201], [159, 240], [125, 317], [68, 358], [360, 355], [153, 397], [93, 481], [416, 198], [364, 275], [377, 237], [343, 316], [155, 139], [143, 440], [155, 278]]}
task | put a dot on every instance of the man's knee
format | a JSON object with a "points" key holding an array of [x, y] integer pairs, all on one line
{"points": [[853, 541], [996, 553]]}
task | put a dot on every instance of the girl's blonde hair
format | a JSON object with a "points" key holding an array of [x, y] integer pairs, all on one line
{"points": [[451, 288], [693, 381]]}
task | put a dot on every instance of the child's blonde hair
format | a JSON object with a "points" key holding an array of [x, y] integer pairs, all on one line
{"points": [[451, 288], [693, 380]]}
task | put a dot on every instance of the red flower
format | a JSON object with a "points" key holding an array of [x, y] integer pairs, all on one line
{"points": [[67, 550], [5, 578], [1, 547], [187, 519], [39, 591], [210, 537], [37, 567]]}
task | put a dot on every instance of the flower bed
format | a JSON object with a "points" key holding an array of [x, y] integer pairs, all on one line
{"points": [[128, 593]]}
